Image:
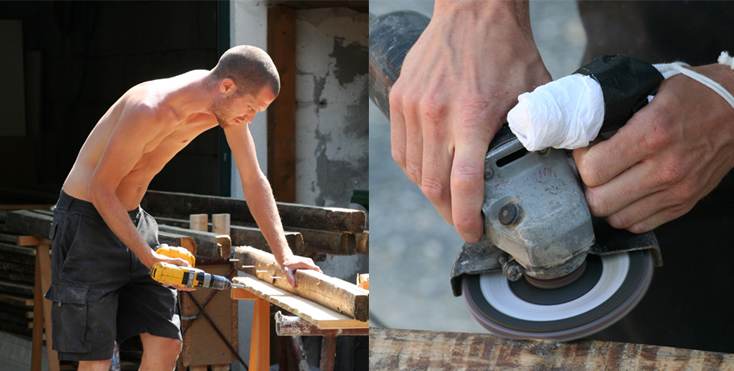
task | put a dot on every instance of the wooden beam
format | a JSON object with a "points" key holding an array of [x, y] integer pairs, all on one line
{"points": [[207, 243], [282, 112], [29, 222], [170, 204], [16, 300], [429, 350], [331, 292], [173, 239], [334, 243], [363, 243], [241, 235], [315, 313]]}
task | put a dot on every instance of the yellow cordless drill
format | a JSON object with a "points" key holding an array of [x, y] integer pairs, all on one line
{"points": [[186, 276]]}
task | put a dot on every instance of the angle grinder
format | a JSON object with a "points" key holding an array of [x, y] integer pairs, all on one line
{"points": [[544, 268]]}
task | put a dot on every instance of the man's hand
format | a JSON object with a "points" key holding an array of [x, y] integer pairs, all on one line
{"points": [[457, 84], [293, 262], [667, 157], [155, 258]]}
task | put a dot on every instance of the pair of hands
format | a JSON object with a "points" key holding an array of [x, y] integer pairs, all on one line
{"points": [[464, 74]]}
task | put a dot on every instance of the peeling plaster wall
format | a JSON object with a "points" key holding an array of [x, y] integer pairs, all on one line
{"points": [[332, 130]]}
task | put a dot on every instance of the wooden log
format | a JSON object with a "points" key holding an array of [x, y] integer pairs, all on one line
{"points": [[173, 239], [207, 243], [296, 326], [245, 235], [429, 350], [363, 243], [16, 288], [334, 243], [293, 215], [20, 250], [331, 292], [16, 267], [16, 300], [29, 222]]}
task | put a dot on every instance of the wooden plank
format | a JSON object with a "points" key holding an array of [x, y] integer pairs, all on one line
{"points": [[17, 277], [173, 239], [23, 260], [221, 224], [245, 235], [16, 300], [363, 243], [282, 112], [199, 222], [28, 222], [429, 350], [25, 207], [335, 219], [207, 243], [317, 314], [331, 292]]}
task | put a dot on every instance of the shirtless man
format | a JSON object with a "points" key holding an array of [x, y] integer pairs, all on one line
{"points": [[102, 239]]}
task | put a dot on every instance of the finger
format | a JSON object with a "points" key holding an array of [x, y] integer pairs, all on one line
{"points": [[289, 276], [436, 177], [467, 190], [622, 191], [397, 128], [601, 162], [657, 219], [413, 144]]}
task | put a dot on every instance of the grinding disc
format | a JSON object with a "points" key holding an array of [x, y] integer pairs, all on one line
{"points": [[608, 289]]}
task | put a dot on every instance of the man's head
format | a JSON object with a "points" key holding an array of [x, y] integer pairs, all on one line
{"points": [[248, 81], [250, 68]]}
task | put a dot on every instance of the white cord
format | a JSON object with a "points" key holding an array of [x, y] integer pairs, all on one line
{"points": [[671, 69]]}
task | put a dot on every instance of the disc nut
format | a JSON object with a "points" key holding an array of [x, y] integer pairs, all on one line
{"points": [[508, 214]]}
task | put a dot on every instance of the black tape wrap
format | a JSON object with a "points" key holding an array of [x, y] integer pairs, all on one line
{"points": [[625, 83]]}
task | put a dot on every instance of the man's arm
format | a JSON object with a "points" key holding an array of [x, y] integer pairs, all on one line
{"points": [[259, 196], [668, 156], [457, 84], [136, 127]]}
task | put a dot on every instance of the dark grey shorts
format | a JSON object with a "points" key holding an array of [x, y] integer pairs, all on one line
{"points": [[100, 290]]}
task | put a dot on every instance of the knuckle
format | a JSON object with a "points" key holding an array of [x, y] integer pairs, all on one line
{"points": [[671, 173], [413, 171], [432, 108], [434, 189], [398, 155], [464, 177], [659, 136], [590, 174], [597, 204]]}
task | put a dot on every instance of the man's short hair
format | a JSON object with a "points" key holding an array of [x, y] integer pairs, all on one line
{"points": [[250, 68]]}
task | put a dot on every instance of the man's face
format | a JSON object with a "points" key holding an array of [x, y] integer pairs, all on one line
{"points": [[234, 110]]}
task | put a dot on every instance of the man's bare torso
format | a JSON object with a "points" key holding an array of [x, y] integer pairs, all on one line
{"points": [[177, 131]]}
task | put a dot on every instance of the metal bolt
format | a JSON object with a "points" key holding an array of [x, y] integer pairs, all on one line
{"points": [[508, 214], [488, 173]]}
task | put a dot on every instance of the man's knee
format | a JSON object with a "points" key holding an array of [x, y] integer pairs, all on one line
{"points": [[94, 365], [158, 344]]}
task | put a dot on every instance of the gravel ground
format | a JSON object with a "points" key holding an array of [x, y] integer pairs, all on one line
{"points": [[412, 248]]}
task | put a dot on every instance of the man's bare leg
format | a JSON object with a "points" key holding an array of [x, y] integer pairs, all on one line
{"points": [[159, 353], [94, 365]]}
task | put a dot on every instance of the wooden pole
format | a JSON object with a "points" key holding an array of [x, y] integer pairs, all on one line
{"points": [[429, 350]]}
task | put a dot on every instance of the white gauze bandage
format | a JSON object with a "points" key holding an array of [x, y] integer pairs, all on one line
{"points": [[566, 113]]}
